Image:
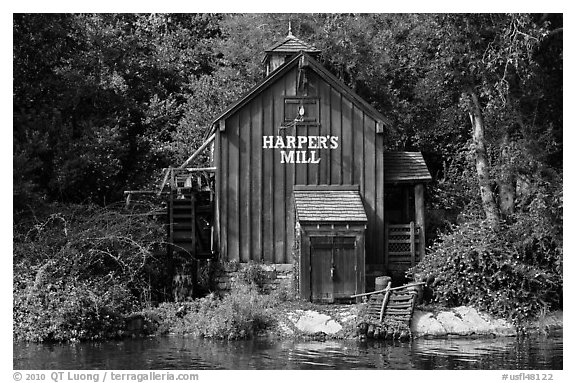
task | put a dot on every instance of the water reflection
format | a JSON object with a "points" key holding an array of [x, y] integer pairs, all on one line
{"points": [[187, 353]]}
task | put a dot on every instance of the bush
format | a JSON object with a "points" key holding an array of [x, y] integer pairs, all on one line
{"points": [[81, 311], [514, 273], [239, 315], [254, 274], [80, 270]]}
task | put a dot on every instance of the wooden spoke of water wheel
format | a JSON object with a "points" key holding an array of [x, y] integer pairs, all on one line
{"points": [[385, 301]]}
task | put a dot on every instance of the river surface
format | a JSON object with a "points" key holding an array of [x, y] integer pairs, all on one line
{"points": [[184, 353]]}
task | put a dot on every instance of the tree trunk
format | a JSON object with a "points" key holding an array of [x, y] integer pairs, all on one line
{"points": [[482, 167]]}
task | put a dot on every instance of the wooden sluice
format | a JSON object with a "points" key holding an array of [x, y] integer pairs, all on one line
{"points": [[388, 313]]}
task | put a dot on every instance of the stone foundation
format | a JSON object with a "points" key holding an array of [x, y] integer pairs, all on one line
{"points": [[269, 277]]}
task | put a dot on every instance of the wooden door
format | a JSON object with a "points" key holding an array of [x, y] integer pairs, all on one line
{"points": [[321, 287], [333, 267], [344, 264]]}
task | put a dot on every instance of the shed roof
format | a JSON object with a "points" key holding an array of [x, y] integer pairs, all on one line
{"points": [[329, 206], [405, 167]]}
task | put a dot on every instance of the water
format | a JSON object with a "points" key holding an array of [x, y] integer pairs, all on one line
{"points": [[184, 353]]}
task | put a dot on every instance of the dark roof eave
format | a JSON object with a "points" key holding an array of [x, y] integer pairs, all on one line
{"points": [[412, 181]]}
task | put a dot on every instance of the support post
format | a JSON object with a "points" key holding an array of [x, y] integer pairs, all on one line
{"points": [[386, 255], [419, 216]]}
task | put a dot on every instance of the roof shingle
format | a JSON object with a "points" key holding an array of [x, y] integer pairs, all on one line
{"points": [[329, 206], [407, 167], [292, 44]]}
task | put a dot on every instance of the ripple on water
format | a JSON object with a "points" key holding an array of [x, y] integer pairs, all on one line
{"points": [[185, 353]]}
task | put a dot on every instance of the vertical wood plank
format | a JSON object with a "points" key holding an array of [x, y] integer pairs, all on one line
{"points": [[363, 151], [304, 272], [279, 192], [244, 192], [362, 264], [290, 180], [301, 170], [314, 169], [336, 130], [324, 91], [347, 143], [370, 185], [217, 158], [256, 179], [379, 227], [224, 193], [261, 182], [234, 192], [268, 179], [358, 155]]}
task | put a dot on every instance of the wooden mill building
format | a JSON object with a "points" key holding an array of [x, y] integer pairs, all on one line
{"points": [[302, 179]]}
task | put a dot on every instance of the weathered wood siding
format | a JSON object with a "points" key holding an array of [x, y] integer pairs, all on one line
{"points": [[255, 202]]}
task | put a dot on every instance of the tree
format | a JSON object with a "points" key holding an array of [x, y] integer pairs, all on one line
{"points": [[96, 98]]}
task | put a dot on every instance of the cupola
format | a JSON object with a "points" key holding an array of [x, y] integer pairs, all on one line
{"points": [[280, 52]]}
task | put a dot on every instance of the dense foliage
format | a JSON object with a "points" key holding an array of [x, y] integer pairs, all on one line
{"points": [[79, 270]]}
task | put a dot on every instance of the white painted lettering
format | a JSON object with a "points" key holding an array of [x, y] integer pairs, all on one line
{"points": [[268, 140], [279, 143], [312, 142], [286, 158], [333, 142]]}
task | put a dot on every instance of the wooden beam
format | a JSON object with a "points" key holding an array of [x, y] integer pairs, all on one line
{"points": [[391, 289], [166, 176], [326, 188], [385, 300], [208, 169], [198, 151]]}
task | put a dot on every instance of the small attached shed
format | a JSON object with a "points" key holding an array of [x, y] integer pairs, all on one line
{"points": [[332, 225]]}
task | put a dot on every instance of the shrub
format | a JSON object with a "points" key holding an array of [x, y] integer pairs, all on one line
{"points": [[254, 274], [239, 315]]}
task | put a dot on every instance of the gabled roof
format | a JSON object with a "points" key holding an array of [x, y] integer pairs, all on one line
{"points": [[287, 66], [329, 206], [405, 167]]}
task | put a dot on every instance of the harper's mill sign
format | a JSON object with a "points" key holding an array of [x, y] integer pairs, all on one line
{"points": [[300, 149]]}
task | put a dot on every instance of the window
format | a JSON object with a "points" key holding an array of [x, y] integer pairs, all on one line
{"points": [[305, 109]]}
